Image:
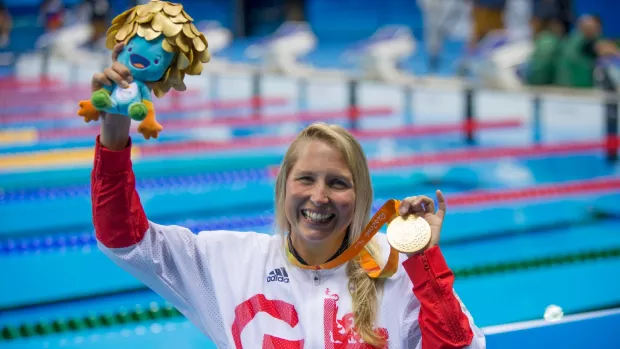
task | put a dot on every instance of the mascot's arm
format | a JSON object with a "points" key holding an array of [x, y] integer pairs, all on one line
{"points": [[103, 91], [107, 88], [149, 127], [145, 93], [87, 109]]}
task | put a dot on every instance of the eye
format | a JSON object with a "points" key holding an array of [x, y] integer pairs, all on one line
{"points": [[305, 180], [156, 61], [339, 184], [129, 49]]}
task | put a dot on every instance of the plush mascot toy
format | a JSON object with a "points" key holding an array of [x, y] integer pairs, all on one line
{"points": [[162, 45]]}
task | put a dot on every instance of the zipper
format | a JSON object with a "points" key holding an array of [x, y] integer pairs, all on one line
{"points": [[313, 305], [450, 317], [316, 278]]}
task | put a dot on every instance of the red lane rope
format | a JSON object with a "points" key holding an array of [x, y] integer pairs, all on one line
{"points": [[258, 120], [467, 155], [605, 185], [181, 106], [228, 121], [471, 155], [272, 141], [51, 97], [612, 143], [429, 130], [12, 83]]}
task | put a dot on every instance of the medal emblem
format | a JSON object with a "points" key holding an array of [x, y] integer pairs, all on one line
{"points": [[410, 234]]}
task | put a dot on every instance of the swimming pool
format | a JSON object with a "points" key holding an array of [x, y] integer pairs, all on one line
{"points": [[525, 222]]}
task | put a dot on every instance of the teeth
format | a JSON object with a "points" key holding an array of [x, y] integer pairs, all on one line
{"points": [[316, 216]]}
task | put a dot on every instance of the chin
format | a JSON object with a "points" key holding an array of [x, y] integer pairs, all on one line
{"points": [[314, 235]]}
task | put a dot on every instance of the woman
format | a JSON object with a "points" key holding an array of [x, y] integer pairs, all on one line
{"points": [[248, 290]]}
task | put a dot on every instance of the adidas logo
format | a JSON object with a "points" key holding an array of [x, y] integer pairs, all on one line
{"points": [[279, 275]]}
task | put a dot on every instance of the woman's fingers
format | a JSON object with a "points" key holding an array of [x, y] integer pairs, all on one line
{"points": [[425, 204], [417, 204], [123, 71], [441, 200], [99, 80], [405, 205], [118, 72], [114, 76]]}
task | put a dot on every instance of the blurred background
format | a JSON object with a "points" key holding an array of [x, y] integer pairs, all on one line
{"points": [[510, 107]]}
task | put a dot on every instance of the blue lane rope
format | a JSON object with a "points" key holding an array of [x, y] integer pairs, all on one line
{"points": [[212, 178], [82, 239]]}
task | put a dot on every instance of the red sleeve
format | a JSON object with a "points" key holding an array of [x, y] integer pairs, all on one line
{"points": [[118, 216], [443, 324]]}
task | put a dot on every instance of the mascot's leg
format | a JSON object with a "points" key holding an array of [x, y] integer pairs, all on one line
{"points": [[101, 100], [137, 111], [149, 126], [88, 111]]}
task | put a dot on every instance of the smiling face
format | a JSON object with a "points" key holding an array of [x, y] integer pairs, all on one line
{"points": [[320, 195], [147, 60]]}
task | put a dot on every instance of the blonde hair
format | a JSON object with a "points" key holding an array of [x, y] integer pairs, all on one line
{"points": [[181, 37], [364, 290]]}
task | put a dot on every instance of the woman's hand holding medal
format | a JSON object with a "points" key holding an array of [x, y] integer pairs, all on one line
{"points": [[418, 227]]}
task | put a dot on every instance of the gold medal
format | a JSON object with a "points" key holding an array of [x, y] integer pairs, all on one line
{"points": [[408, 235]]}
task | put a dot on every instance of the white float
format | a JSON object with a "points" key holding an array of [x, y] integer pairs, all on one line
{"points": [[280, 52], [380, 55], [496, 61], [219, 37]]}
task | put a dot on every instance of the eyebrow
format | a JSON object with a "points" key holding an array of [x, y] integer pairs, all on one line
{"points": [[330, 174]]}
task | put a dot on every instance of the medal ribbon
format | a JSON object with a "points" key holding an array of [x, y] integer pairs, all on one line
{"points": [[384, 215]]}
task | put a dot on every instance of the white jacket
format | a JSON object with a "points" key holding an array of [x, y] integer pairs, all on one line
{"points": [[241, 291]]}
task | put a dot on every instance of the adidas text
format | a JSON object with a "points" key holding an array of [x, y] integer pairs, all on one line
{"points": [[279, 275]]}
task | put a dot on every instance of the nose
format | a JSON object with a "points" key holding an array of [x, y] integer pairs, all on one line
{"points": [[319, 195]]}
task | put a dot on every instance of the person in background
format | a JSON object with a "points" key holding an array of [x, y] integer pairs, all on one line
{"points": [[488, 15], [580, 51], [295, 10], [51, 14], [99, 11], [6, 25], [541, 66], [555, 16], [435, 16]]}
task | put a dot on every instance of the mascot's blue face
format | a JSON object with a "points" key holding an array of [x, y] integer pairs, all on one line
{"points": [[147, 60]]}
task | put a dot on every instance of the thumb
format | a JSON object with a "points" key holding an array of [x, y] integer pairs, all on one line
{"points": [[118, 48]]}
